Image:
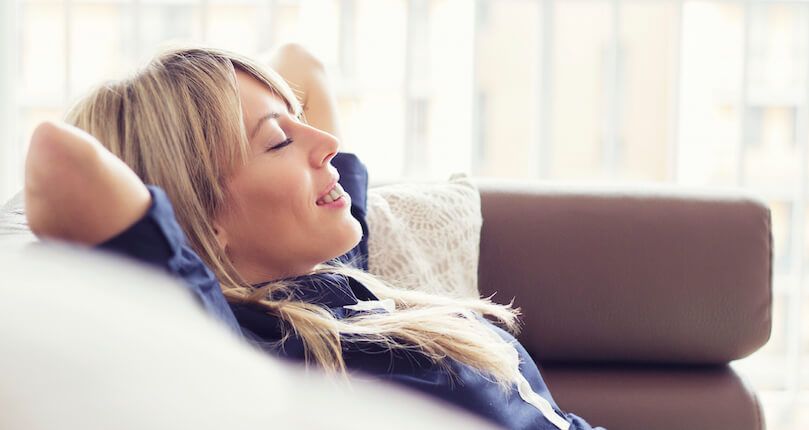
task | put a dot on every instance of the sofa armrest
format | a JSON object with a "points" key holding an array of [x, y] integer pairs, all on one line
{"points": [[658, 275], [95, 341]]}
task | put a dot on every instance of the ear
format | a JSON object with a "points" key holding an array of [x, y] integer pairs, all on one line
{"points": [[221, 235]]}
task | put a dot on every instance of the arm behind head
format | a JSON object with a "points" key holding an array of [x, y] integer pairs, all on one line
{"points": [[76, 190]]}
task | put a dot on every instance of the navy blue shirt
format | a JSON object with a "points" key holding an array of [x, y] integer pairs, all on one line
{"points": [[158, 240]]}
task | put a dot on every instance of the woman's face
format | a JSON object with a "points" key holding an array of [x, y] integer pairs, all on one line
{"points": [[276, 224]]}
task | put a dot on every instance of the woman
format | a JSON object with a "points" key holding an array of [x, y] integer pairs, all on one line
{"points": [[255, 209]]}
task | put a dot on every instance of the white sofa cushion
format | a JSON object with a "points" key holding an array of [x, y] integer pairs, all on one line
{"points": [[426, 236], [97, 342]]}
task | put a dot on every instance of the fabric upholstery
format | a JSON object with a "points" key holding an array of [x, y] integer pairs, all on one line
{"points": [[426, 236], [631, 397], [95, 342], [642, 276]]}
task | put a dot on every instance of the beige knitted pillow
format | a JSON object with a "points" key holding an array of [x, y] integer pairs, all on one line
{"points": [[426, 236]]}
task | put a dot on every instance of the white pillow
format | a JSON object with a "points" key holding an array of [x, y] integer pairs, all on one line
{"points": [[14, 231], [426, 236], [92, 341]]}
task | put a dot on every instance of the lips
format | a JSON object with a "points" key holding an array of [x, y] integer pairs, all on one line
{"points": [[336, 193], [333, 192]]}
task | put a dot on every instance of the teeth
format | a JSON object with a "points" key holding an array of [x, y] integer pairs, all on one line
{"points": [[333, 195]]}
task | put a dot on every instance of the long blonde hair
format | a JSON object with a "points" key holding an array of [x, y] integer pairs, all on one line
{"points": [[178, 124]]}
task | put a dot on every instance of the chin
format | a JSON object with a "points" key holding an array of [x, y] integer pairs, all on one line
{"points": [[349, 239], [357, 235]]}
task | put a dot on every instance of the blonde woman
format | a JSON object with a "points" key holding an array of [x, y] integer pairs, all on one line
{"points": [[207, 165]]}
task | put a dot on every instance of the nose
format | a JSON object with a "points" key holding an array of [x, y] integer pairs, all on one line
{"points": [[324, 147]]}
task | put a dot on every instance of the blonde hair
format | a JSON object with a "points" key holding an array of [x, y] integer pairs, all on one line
{"points": [[178, 124]]}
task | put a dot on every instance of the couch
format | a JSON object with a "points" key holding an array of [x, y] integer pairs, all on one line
{"points": [[634, 301]]}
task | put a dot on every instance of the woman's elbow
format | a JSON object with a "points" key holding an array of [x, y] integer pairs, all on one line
{"points": [[52, 163]]}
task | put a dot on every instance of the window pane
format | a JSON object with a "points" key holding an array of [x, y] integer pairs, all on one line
{"points": [[777, 91], [42, 54], [379, 41], [97, 48], [782, 232], [447, 73], [805, 335], [805, 241], [507, 85], [805, 343], [286, 22], [318, 26], [711, 76], [160, 23], [778, 52], [648, 65], [771, 156], [234, 27], [580, 67], [374, 118]]}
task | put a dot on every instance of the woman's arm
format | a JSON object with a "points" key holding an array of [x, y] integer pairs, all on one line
{"points": [[76, 190]]}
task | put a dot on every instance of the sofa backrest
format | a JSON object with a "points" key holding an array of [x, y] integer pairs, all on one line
{"points": [[660, 274]]}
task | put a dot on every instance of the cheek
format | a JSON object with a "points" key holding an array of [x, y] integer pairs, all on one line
{"points": [[277, 203]]}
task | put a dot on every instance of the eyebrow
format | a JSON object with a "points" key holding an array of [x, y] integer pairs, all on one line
{"points": [[261, 121]]}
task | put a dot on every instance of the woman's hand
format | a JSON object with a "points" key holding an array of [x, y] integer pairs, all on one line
{"points": [[76, 190]]}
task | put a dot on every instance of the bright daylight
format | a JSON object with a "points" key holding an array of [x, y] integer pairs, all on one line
{"points": [[519, 214]]}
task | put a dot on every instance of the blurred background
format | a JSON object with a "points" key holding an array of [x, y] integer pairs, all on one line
{"points": [[693, 93]]}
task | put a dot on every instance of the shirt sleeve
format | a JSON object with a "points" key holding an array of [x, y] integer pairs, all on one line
{"points": [[156, 239], [354, 180]]}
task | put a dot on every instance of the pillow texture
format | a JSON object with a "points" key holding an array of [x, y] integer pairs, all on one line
{"points": [[14, 231], [12, 216], [426, 236]]}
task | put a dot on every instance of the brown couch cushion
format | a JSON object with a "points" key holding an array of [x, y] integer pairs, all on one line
{"points": [[658, 275], [642, 398]]}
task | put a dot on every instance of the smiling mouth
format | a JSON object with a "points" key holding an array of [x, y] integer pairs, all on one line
{"points": [[335, 193]]}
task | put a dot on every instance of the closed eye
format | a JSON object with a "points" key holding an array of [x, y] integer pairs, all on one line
{"points": [[281, 145]]}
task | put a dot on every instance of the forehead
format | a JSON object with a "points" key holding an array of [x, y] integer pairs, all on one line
{"points": [[257, 100]]}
